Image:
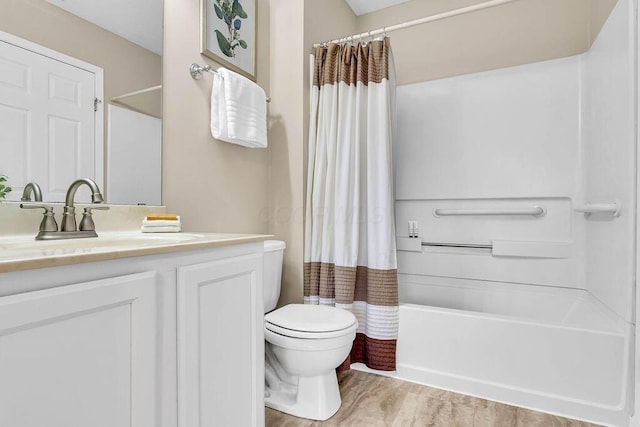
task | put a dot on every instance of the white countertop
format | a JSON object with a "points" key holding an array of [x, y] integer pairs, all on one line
{"points": [[23, 252]]}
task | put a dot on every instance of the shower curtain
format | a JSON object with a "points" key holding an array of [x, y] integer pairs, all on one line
{"points": [[350, 249]]}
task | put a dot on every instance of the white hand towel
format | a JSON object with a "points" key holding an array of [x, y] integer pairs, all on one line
{"points": [[238, 110]]}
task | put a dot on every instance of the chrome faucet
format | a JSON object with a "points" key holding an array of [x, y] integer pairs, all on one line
{"points": [[69, 215], [34, 188], [68, 230]]}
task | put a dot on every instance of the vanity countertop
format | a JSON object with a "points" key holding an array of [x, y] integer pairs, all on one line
{"points": [[23, 252]]}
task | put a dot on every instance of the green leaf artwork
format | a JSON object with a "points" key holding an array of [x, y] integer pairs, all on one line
{"points": [[232, 13], [4, 190], [225, 47]]}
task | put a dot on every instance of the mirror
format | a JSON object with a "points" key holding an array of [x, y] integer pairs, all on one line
{"points": [[123, 38]]}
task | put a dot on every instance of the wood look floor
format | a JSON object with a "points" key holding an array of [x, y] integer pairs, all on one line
{"points": [[374, 400]]}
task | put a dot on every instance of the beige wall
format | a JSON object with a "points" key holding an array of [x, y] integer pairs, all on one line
{"points": [[517, 33], [213, 185], [127, 66], [599, 11]]}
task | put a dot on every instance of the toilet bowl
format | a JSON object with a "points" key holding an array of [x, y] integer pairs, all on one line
{"points": [[304, 345]]}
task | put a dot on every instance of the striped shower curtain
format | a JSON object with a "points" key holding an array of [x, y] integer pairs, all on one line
{"points": [[350, 250]]}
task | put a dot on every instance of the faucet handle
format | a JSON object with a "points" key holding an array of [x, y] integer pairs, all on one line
{"points": [[34, 188], [49, 221], [31, 205], [97, 206], [87, 223]]}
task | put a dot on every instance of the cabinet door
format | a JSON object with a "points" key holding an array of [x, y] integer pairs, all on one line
{"points": [[79, 355], [221, 343]]}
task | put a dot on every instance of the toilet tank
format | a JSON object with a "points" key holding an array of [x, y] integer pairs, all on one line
{"points": [[272, 273]]}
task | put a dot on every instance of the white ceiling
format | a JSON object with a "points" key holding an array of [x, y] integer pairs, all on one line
{"points": [[360, 7], [138, 21]]}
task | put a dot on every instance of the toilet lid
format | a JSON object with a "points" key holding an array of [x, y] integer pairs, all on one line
{"points": [[309, 319]]}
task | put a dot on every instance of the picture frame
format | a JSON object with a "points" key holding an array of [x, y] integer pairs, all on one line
{"points": [[228, 31]]}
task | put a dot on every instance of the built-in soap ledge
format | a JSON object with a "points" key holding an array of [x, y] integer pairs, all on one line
{"points": [[512, 248], [497, 248], [409, 244]]}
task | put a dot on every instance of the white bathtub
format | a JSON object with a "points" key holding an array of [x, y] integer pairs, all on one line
{"points": [[555, 350]]}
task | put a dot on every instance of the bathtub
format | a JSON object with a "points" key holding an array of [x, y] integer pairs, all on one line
{"points": [[556, 350]]}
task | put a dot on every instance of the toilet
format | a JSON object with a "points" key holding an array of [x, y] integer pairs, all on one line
{"points": [[304, 345]]}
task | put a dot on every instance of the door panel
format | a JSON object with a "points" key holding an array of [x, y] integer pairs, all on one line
{"points": [[55, 141], [14, 140]]}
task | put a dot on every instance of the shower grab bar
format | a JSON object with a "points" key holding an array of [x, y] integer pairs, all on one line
{"points": [[458, 245], [533, 211], [614, 208]]}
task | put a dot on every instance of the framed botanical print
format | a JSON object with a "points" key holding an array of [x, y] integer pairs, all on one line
{"points": [[228, 34]]}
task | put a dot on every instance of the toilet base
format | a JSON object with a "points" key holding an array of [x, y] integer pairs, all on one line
{"points": [[315, 398]]}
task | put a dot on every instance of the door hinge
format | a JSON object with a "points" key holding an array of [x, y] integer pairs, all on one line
{"points": [[96, 101]]}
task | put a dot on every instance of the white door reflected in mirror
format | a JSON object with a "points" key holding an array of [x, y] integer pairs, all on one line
{"points": [[51, 132]]}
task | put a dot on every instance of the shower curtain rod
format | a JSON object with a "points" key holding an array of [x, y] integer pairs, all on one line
{"points": [[437, 17], [137, 92]]}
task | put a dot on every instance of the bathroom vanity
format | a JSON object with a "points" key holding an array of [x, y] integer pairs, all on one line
{"points": [[131, 329]]}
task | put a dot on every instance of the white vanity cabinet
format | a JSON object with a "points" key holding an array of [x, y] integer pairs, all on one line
{"points": [[165, 340], [221, 343], [79, 355]]}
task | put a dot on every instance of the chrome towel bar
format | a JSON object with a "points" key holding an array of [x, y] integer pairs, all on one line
{"points": [[196, 72], [458, 245], [533, 211]]}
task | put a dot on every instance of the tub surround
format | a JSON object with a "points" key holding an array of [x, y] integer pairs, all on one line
{"points": [[548, 318]]}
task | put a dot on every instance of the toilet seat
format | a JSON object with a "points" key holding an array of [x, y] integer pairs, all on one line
{"points": [[312, 345], [308, 335], [310, 321]]}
